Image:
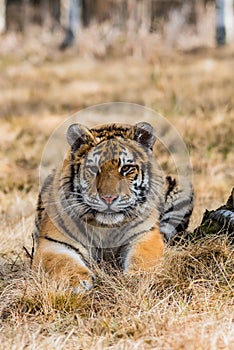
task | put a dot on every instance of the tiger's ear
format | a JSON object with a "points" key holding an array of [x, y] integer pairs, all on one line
{"points": [[145, 134], [78, 135]]}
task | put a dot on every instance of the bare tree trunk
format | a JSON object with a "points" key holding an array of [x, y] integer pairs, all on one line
{"points": [[45, 13], [224, 22], [2, 16], [25, 10], [73, 23]]}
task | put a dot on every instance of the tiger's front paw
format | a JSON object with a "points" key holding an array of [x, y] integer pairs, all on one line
{"points": [[82, 283], [64, 266]]}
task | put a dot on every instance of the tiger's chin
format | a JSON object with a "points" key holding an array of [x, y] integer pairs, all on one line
{"points": [[109, 219]]}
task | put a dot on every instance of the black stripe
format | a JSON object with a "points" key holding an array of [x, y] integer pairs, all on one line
{"points": [[175, 221], [48, 181], [72, 171], [137, 151], [69, 246], [65, 229], [122, 232], [40, 208], [142, 232], [117, 130]]}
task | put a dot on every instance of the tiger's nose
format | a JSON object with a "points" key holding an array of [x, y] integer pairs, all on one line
{"points": [[109, 199]]}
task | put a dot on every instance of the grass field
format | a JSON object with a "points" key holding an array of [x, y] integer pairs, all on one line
{"points": [[187, 302]]}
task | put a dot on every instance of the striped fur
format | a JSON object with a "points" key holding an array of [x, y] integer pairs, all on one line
{"points": [[178, 207], [108, 199]]}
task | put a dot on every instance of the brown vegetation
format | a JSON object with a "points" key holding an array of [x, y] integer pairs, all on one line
{"points": [[186, 303]]}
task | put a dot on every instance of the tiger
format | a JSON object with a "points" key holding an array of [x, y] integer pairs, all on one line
{"points": [[108, 201]]}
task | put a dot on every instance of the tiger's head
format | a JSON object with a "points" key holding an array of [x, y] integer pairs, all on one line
{"points": [[111, 171]]}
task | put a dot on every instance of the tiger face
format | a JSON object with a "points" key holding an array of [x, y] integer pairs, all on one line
{"points": [[112, 175]]}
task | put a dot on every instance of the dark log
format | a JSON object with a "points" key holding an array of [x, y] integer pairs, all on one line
{"points": [[215, 222]]}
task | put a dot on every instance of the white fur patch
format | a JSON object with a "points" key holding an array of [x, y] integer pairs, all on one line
{"points": [[61, 249], [109, 219]]}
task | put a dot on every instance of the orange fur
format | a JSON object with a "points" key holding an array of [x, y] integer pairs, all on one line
{"points": [[60, 265], [63, 267], [146, 252]]}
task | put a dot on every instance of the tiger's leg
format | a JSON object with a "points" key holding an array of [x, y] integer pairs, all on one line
{"points": [[145, 253], [63, 263]]}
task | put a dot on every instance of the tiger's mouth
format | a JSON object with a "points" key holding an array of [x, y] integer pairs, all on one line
{"points": [[109, 217], [109, 211], [118, 206], [117, 212]]}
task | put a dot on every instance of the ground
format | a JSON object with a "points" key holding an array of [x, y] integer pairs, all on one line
{"points": [[187, 302]]}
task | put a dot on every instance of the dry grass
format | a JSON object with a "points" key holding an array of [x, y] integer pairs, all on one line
{"points": [[187, 302]]}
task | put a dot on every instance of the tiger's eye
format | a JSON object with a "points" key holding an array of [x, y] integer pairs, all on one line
{"points": [[94, 169], [126, 168]]}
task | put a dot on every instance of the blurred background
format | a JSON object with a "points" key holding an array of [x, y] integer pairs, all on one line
{"points": [[58, 57], [119, 26]]}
